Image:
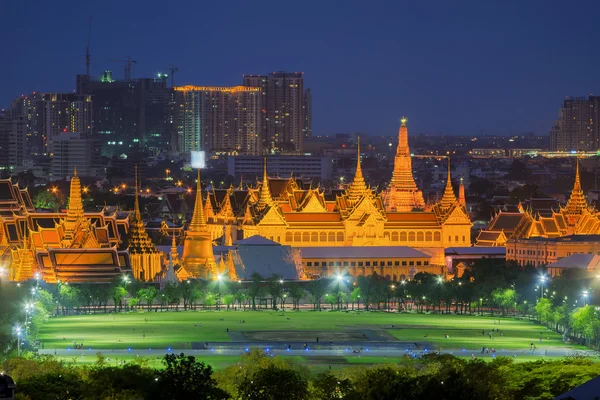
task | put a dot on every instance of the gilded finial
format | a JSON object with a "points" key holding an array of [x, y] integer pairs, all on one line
{"points": [[403, 121]]}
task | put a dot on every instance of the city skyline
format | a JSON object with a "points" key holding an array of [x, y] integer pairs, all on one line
{"points": [[383, 61]]}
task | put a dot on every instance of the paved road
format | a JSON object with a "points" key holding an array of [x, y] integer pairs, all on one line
{"points": [[317, 352]]}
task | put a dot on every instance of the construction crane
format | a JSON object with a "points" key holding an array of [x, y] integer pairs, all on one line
{"points": [[172, 70], [128, 63], [87, 49]]}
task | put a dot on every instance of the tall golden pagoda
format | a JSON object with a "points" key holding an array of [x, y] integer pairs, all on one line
{"points": [[576, 204], [198, 257], [402, 194], [358, 187], [146, 260]]}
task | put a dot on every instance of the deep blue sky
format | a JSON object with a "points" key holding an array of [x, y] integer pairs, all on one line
{"points": [[450, 68]]}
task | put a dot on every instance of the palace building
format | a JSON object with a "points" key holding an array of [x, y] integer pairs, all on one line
{"points": [[74, 247], [313, 232], [285, 211], [575, 218]]}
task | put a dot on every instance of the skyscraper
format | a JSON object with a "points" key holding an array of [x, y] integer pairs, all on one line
{"points": [[49, 114], [13, 134], [31, 109], [129, 114], [66, 112], [283, 109], [578, 125], [307, 110], [210, 118]]}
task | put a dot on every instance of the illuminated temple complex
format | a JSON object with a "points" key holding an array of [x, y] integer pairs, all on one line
{"points": [[285, 212], [575, 218], [279, 222]]}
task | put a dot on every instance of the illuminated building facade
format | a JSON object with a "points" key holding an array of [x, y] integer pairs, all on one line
{"points": [[578, 125], [285, 113], [217, 119], [283, 211]]}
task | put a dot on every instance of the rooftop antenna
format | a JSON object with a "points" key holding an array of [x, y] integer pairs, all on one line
{"points": [[87, 49]]}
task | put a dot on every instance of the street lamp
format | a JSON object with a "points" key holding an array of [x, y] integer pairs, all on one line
{"points": [[542, 281], [585, 296], [18, 332]]}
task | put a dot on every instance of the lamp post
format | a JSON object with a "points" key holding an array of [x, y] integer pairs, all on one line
{"points": [[585, 296], [219, 279], [339, 278], [18, 332], [440, 281], [542, 281]]}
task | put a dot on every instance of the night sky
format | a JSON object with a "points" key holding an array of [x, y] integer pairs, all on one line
{"points": [[477, 67]]}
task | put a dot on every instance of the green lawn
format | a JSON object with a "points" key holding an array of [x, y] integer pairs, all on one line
{"points": [[179, 329]]}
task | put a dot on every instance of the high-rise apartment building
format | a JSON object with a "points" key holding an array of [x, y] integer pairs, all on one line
{"points": [[31, 109], [217, 119], [46, 115], [13, 143], [73, 150], [129, 114], [283, 109], [578, 125], [307, 110]]}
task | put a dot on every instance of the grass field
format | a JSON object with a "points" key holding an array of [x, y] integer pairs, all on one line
{"points": [[178, 330]]}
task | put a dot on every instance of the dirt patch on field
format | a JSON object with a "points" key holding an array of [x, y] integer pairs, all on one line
{"points": [[305, 336]]}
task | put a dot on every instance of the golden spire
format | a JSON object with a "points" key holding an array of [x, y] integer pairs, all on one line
{"points": [[231, 271], [358, 187], [139, 241], [198, 219], [402, 194], [174, 252], [576, 203], [264, 196], [448, 199], [75, 208]]}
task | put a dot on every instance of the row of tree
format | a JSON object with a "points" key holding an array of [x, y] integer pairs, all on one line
{"points": [[259, 376]]}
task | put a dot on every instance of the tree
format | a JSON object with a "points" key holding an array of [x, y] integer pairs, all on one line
{"points": [[185, 378], [355, 297], [543, 310], [296, 293], [228, 300], [273, 383], [46, 200], [173, 294], [255, 288], [329, 387], [148, 295], [316, 289], [275, 290], [52, 386], [585, 322], [133, 302], [118, 293]]}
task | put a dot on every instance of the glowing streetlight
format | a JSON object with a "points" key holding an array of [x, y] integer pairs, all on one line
{"points": [[281, 281], [18, 332], [585, 296], [542, 281]]}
